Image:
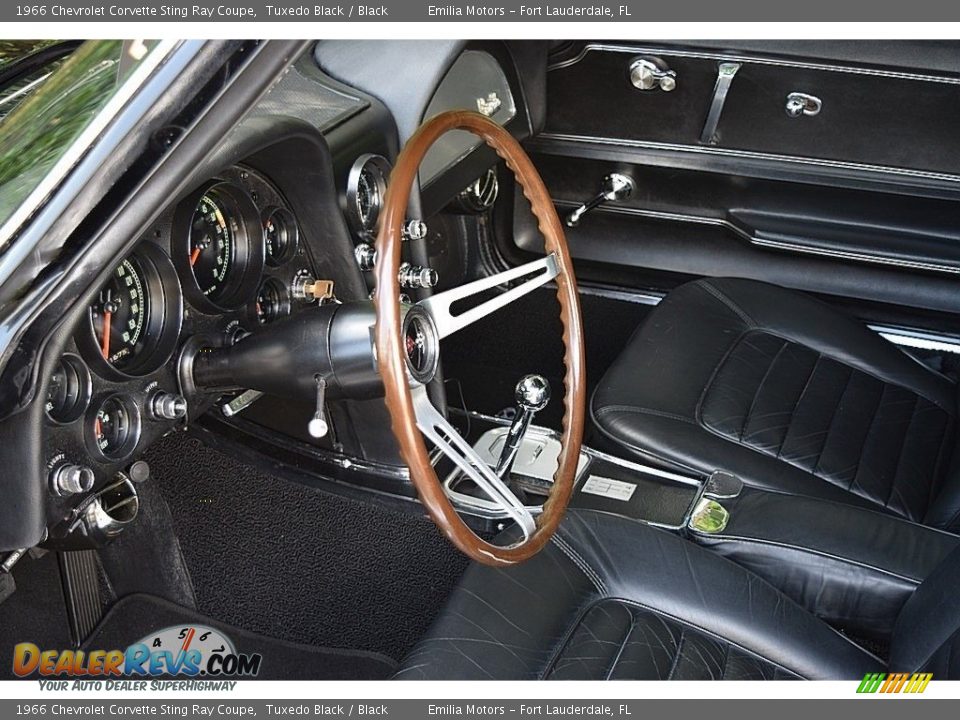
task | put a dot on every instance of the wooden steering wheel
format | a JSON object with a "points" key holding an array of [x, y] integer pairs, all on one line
{"points": [[411, 412]]}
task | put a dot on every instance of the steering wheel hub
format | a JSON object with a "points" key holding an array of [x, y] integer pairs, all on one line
{"points": [[421, 344]]}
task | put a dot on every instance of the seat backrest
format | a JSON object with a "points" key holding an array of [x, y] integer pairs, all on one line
{"points": [[926, 637]]}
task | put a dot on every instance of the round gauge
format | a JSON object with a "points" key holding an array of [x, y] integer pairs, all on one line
{"points": [[135, 318], [366, 187], [272, 301], [223, 250], [69, 391], [212, 246], [280, 235], [115, 427]]}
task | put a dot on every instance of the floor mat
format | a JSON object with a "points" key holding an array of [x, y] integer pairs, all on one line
{"points": [[285, 560], [36, 612], [137, 616]]}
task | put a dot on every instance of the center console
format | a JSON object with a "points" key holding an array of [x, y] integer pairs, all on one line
{"points": [[603, 482], [853, 567]]}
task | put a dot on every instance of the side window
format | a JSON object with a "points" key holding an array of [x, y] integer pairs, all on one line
{"points": [[45, 110], [25, 65]]}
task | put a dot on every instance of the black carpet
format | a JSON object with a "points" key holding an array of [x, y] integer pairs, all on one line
{"points": [[136, 616], [285, 560], [35, 613]]}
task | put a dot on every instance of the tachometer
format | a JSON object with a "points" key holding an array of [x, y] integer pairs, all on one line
{"points": [[222, 246], [212, 246], [135, 317]]}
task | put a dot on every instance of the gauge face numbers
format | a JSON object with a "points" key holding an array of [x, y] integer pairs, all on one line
{"points": [[69, 391], [280, 236], [115, 427], [134, 319], [212, 246], [219, 246], [272, 303], [120, 315], [366, 187]]}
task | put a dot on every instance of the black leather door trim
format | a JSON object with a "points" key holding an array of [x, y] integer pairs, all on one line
{"points": [[759, 237]]}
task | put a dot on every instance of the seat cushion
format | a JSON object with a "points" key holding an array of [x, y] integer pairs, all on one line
{"points": [[788, 394], [613, 598]]}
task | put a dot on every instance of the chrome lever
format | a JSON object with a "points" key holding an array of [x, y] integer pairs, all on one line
{"points": [[318, 426], [616, 187], [725, 74], [532, 394]]}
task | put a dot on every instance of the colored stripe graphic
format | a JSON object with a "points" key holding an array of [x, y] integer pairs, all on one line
{"points": [[913, 683]]}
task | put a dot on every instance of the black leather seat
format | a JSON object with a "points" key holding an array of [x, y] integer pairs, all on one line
{"points": [[788, 394], [612, 598]]}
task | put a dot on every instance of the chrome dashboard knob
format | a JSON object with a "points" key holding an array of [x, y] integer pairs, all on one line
{"points": [[366, 256], [417, 276], [168, 406], [71, 479], [414, 230]]}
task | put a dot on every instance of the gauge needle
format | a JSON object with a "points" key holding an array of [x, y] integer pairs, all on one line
{"points": [[105, 340], [194, 255]]}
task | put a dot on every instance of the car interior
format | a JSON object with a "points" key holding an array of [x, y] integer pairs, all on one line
{"points": [[509, 360]]}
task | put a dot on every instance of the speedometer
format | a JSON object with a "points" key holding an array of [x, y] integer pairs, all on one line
{"points": [[121, 316]]}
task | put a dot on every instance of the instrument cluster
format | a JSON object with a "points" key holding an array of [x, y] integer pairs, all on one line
{"points": [[221, 262]]}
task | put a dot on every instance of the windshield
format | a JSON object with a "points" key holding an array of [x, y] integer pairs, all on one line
{"points": [[43, 112]]}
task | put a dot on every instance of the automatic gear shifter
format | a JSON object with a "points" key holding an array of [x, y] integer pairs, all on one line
{"points": [[532, 395]]}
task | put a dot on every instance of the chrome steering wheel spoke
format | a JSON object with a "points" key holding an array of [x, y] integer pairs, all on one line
{"points": [[444, 436], [438, 306]]}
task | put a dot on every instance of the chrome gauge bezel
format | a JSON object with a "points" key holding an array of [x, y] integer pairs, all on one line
{"points": [[379, 169], [163, 324], [247, 261]]}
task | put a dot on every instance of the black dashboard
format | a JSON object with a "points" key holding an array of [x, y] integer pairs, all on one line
{"points": [[217, 265], [280, 220]]}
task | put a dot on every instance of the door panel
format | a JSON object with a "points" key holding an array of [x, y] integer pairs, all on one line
{"points": [[872, 116], [860, 201]]}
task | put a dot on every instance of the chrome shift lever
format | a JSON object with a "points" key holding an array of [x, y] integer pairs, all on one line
{"points": [[532, 395]]}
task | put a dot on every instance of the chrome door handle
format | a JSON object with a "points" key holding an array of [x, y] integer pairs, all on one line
{"points": [[799, 103], [649, 73], [616, 187]]}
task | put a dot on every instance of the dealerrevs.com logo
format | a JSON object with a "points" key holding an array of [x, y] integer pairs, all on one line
{"points": [[191, 651]]}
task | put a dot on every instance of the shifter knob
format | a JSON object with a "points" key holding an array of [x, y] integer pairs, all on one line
{"points": [[532, 393]]}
